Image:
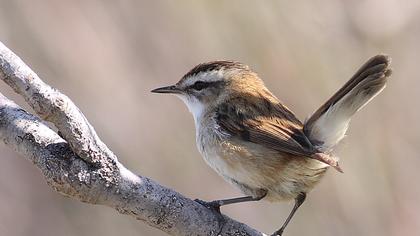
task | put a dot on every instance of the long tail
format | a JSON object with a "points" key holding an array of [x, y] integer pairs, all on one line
{"points": [[328, 125]]}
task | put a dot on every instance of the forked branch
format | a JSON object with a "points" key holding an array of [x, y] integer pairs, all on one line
{"points": [[78, 164]]}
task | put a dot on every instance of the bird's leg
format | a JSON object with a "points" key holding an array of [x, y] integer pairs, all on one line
{"points": [[216, 204], [298, 201]]}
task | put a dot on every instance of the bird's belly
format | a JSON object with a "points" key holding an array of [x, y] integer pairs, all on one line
{"points": [[253, 169]]}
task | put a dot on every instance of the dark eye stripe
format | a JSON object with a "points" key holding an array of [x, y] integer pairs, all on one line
{"points": [[200, 85]]}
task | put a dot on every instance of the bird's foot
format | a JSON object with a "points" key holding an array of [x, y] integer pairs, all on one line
{"points": [[213, 205]]}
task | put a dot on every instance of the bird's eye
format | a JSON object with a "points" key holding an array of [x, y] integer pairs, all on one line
{"points": [[199, 85]]}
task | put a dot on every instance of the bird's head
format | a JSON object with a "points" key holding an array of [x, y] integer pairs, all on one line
{"points": [[209, 84]]}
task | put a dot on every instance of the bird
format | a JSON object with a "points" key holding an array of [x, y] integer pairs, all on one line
{"points": [[256, 143]]}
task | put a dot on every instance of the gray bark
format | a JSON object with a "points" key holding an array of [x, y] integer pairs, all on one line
{"points": [[78, 164]]}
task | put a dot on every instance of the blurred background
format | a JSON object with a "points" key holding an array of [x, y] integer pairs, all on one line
{"points": [[107, 56]]}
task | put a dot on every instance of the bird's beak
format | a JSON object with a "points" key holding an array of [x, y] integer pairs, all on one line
{"points": [[168, 89]]}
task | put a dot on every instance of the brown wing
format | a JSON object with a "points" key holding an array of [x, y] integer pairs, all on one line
{"points": [[268, 123]]}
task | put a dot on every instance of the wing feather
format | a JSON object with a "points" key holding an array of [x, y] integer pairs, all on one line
{"points": [[273, 125]]}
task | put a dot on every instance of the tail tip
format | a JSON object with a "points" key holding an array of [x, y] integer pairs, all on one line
{"points": [[338, 168], [382, 58], [327, 159]]}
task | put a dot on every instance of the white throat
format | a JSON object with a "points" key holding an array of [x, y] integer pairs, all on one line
{"points": [[195, 107]]}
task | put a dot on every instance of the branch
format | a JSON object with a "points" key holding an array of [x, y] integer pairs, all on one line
{"points": [[78, 164]]}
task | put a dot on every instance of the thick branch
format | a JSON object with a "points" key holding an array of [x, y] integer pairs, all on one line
{"points": [[82, 167], [53, 106]]}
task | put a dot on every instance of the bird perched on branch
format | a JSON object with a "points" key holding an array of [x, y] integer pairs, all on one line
{"points": [[255, 142]]}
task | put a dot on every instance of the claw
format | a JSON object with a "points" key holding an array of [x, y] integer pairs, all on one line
{"points": [[213, 205], [278, 233]]}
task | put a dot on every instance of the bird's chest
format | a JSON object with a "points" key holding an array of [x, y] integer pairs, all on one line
{"points": [[209, 143], [231, 161]]}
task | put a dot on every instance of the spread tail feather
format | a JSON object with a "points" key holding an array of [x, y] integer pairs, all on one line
{"points": [[328, 125]]}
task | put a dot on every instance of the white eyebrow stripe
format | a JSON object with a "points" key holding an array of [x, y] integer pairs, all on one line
{"points": [[212, 76]]}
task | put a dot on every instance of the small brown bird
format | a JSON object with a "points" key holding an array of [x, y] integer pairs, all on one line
{"points": [[255, 142]]}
